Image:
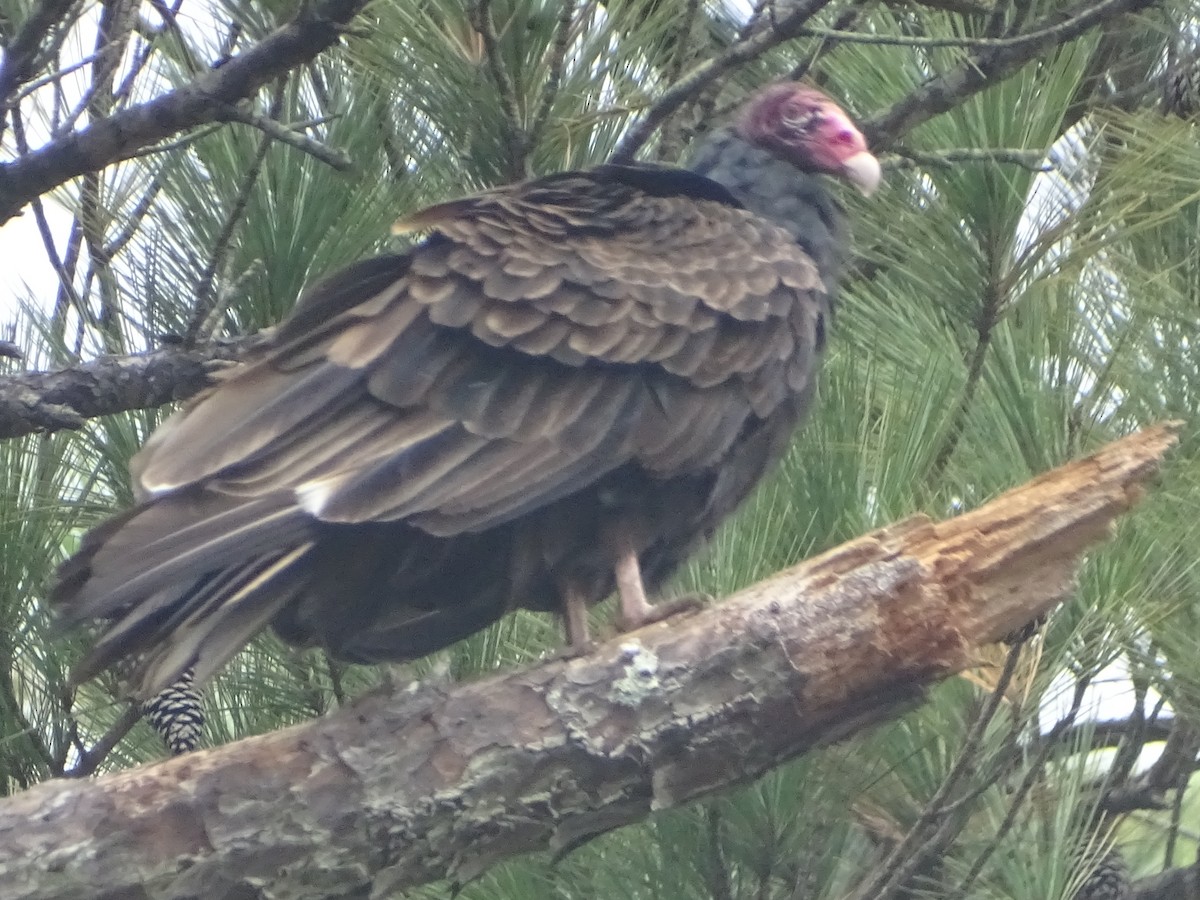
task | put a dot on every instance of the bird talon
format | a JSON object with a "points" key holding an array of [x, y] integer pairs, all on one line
{"points": [[667, 609], [570, 652]]}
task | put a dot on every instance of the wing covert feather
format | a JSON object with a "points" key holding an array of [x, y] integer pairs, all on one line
{"points": [[545, 334]]}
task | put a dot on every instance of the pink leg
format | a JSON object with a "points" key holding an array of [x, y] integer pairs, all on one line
{"points": [[636, 610], [575, 622]]}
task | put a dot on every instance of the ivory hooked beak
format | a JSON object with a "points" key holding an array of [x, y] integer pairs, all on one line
{"points": [[862, 170]]}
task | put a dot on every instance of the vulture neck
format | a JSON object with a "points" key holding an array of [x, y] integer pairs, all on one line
{"points": [[768, 186]]}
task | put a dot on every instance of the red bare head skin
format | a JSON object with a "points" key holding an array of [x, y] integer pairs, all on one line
{"points": [[800, 124]]}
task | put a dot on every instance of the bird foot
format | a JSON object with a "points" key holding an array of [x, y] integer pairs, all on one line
{"points": [[570, 652], [664, 610]]}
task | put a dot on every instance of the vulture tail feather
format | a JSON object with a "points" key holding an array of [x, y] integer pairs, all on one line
{"points": [[196, 591]]}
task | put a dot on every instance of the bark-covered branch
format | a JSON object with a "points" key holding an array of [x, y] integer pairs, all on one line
{"points": [[430, 783], [1148, 790], [21, 53], [51, 401], [986, 67], [691, 84], [995, 59], [202, 101]]}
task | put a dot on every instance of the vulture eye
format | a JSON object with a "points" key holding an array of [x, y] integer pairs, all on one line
{"points": [[800, 119]]}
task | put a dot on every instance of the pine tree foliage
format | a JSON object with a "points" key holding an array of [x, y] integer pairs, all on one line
{"points": [[1025, 287]]}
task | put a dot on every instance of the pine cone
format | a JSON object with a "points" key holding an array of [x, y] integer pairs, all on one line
{"points": [[1109, 879], [1181, 88], [177, 715]]}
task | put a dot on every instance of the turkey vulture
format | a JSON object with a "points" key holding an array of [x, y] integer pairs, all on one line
{"points": [[560, 392]]}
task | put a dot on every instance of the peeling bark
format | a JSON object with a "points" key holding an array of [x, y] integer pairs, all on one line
{"points": [[429, 783]]}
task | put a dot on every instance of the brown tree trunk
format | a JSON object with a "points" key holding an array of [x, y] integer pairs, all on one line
{"points": [[428, 783]]}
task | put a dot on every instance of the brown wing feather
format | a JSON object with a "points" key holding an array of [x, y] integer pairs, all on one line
{"points": [[538, 319]]}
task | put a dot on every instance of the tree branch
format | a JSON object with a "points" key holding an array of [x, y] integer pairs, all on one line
{"points": [[21, 54], [514, 132], [200, 102], [927, 834], [943, 92], [51, 401], [410, 786], [1110, 734], [206, 291], [1148, 790], [904, 158], [558, 58], [706, 73], [998, 58], [288, 134]]}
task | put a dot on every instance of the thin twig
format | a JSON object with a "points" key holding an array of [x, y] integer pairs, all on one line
{"points": [[985, 323], [133, 219], [946, 90], [285, 134], [170, 17], [127, 133], [66, 295], [842, 23], [558, 55], [91, 758], [903, 158], [962, 7], [229, 42], [1129, 750], [705, 102], [69, 299], [670, 143], [904, 859], [684, 42], [1050, 32], [178, 144], [487, 31], [1107, 735], [21, 54], [204, 286], [755, 17], [24, 728], [115, 30], [53, 51], [142, 55], [1027, 782], [515, 135], [55, 76], [113, 34], [701, 76], [1173, 830]]}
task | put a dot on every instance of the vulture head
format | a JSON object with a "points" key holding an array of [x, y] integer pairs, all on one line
{"points": [[804, 127]]}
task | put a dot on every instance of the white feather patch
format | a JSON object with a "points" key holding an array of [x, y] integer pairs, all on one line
{"points": [[313, 495]]}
